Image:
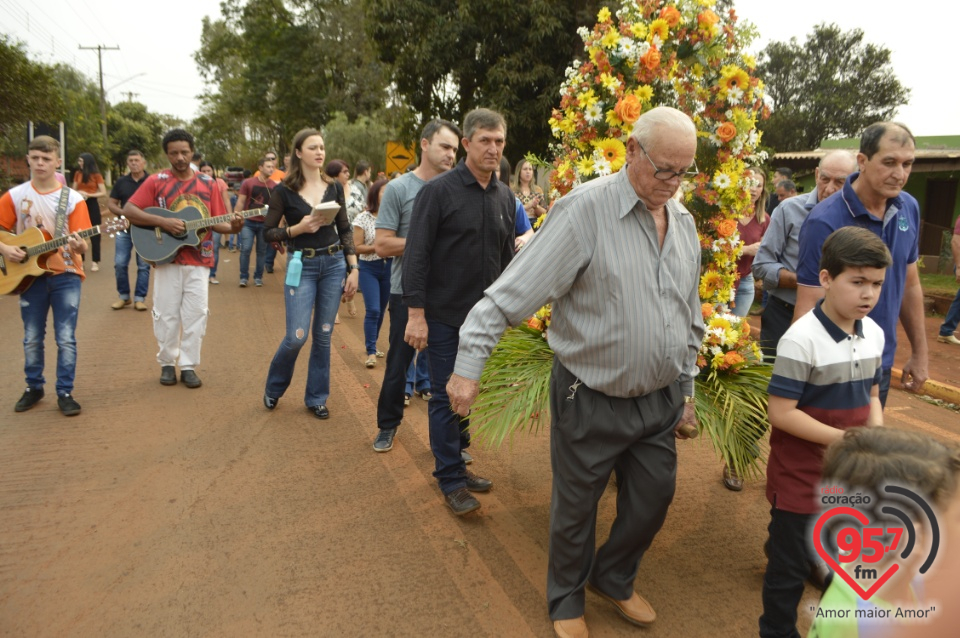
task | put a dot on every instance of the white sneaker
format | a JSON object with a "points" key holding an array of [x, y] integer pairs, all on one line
{"points": [[949, 339]]}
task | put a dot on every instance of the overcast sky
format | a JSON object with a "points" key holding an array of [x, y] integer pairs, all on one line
{"points": [[157, 42]]}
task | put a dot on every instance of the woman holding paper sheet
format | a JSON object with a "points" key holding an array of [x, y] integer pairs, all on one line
{"points": [[329, 270]]}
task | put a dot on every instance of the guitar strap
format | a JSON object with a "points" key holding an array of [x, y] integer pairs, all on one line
{"points": [[61, 224]]}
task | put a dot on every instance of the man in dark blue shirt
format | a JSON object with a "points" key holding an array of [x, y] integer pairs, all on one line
{"points": [[123, 189], [874, 199], [461, 238]]}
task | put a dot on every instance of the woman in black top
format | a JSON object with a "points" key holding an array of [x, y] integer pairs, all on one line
{"points": [[327, 253]]}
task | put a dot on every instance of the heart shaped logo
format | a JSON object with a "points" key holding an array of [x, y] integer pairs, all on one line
{"points": [[832, 562]]}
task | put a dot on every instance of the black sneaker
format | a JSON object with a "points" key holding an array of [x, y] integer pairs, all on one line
{"points": [[461, 501], [478, 483], [269, 402], [320, 411], [190, 379], [384, 441], [68, 405], [28, 399], [168, 375]]}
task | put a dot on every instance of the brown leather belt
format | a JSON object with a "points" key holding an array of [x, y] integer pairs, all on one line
{"points": [[316, 252]]}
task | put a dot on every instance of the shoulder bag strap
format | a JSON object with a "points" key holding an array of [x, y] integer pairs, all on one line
{"points": [[60, 225]]}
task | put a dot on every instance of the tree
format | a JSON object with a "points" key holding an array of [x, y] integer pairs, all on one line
{"points": [[27, 89], [832, 86], [82, 116], [130, 125], [449, 56], [281, 66], [364, 138]]}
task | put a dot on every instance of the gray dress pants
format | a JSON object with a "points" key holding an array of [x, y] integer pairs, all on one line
{"points": [[591, 434]]}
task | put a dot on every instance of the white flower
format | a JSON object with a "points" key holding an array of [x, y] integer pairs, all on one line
{"points": [[642, 48], [601, 165], [734, 95], [628, 48], [583, 33], [721, 181], [594, 113], [657, 42]]}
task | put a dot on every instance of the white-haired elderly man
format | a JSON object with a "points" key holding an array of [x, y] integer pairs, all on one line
{"points": [[619, 259]]}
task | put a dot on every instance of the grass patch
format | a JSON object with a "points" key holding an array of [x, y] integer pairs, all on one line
{"points": [[943, 285]]}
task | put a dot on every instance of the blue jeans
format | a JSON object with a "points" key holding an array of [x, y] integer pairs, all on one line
{"points": [[399, 356], [216, 254], [317, 296], [252, 230], [745, 296], [950, 322], [418, 374], [375, 288], [271, 257], [448, 433], [121, 261], [62, 293]]}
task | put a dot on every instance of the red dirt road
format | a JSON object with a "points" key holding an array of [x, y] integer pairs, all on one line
{"points": [[163, 511]]}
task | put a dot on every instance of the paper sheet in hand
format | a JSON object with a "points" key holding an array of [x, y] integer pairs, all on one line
{"points": [[327, 211]]}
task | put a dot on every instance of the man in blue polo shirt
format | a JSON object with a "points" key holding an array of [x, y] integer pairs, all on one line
{"points": [[874, 199]]}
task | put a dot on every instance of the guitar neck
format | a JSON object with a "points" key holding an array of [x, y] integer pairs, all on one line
{"points": [[206, 222], [53, 244]]}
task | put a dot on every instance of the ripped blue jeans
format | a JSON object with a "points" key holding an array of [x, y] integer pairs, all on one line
{"points": [[317, 297], [62, 294]]}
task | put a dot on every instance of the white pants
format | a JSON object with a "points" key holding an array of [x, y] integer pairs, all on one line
{"points": [[180, 313]]}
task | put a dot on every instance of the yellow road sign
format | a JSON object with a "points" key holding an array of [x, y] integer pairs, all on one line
{"points": [[399, 158]]}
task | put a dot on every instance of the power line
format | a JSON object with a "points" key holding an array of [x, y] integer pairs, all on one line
{"points": [[103, 100]]}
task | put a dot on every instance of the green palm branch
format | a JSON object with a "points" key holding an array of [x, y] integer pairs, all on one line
{"points": [[515, 397]]}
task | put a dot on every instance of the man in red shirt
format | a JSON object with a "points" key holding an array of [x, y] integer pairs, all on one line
{"points": [[180, 287]]}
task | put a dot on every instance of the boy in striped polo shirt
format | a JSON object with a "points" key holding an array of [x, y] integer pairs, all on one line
{"points": [[825, 380]]}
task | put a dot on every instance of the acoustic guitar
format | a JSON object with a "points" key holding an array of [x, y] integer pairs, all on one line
{"points": [[17, 277], [160, 247]]}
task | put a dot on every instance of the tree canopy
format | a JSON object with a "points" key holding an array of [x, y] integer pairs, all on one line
{"points": [[832, 85], [449, 56], [278, 66], [27, 90]]}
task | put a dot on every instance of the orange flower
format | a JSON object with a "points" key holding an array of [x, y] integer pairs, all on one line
{"points": [[727, 228], [628, 108], [706, 310], [745, 328], [535, 323], [671, 15], [707, 19], [651, 59], [732, 358], [726, 131]]}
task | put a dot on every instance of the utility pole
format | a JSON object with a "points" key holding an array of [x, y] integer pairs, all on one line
{"points": [[103, 100], [129, 95]]}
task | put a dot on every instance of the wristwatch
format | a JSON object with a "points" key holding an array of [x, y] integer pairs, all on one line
{"points": [[352, 267]]}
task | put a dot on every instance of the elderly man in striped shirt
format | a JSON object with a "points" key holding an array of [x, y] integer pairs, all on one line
{"points": [[620, 262]]}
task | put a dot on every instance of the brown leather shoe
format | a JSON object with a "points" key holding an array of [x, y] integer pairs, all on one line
{"points": [[140, 306], [120, 304], [635, 609], [571, 628], [731, 480]]}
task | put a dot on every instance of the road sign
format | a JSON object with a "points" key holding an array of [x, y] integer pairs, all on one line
{"points": [[400, 158]]}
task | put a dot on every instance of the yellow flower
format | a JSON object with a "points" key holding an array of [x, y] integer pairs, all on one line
{"points": [[613, 151], [604, 15], [585, 166], [709, 284], [613, 120], [644, 92], [718, 322], [587, 98], [733, 77], [610, 82], [749, 61], [610, 39], [639, 30], [659, 27]]}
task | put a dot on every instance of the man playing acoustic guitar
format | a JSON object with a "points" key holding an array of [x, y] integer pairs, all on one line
{"points": [[32, 205], [180, 286]]}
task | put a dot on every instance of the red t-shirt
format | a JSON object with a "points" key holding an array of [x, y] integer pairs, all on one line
{"points": [[164, 190], [256, 195], [750, 233]]}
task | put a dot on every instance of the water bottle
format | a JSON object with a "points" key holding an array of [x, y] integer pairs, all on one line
{"points": [[294, 268]]}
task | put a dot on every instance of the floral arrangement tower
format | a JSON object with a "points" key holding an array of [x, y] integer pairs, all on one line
{"points": [[687, 54]]}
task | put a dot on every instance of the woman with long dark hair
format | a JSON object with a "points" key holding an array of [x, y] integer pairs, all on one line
{"points": [[327, 253], [89, 182]]}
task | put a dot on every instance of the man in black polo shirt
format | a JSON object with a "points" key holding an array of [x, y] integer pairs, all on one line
{"points": [[461, 238], [123, 189]]}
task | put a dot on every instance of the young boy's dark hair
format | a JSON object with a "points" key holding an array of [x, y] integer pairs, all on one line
{"points": [[853, 247], [45, 144]]}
